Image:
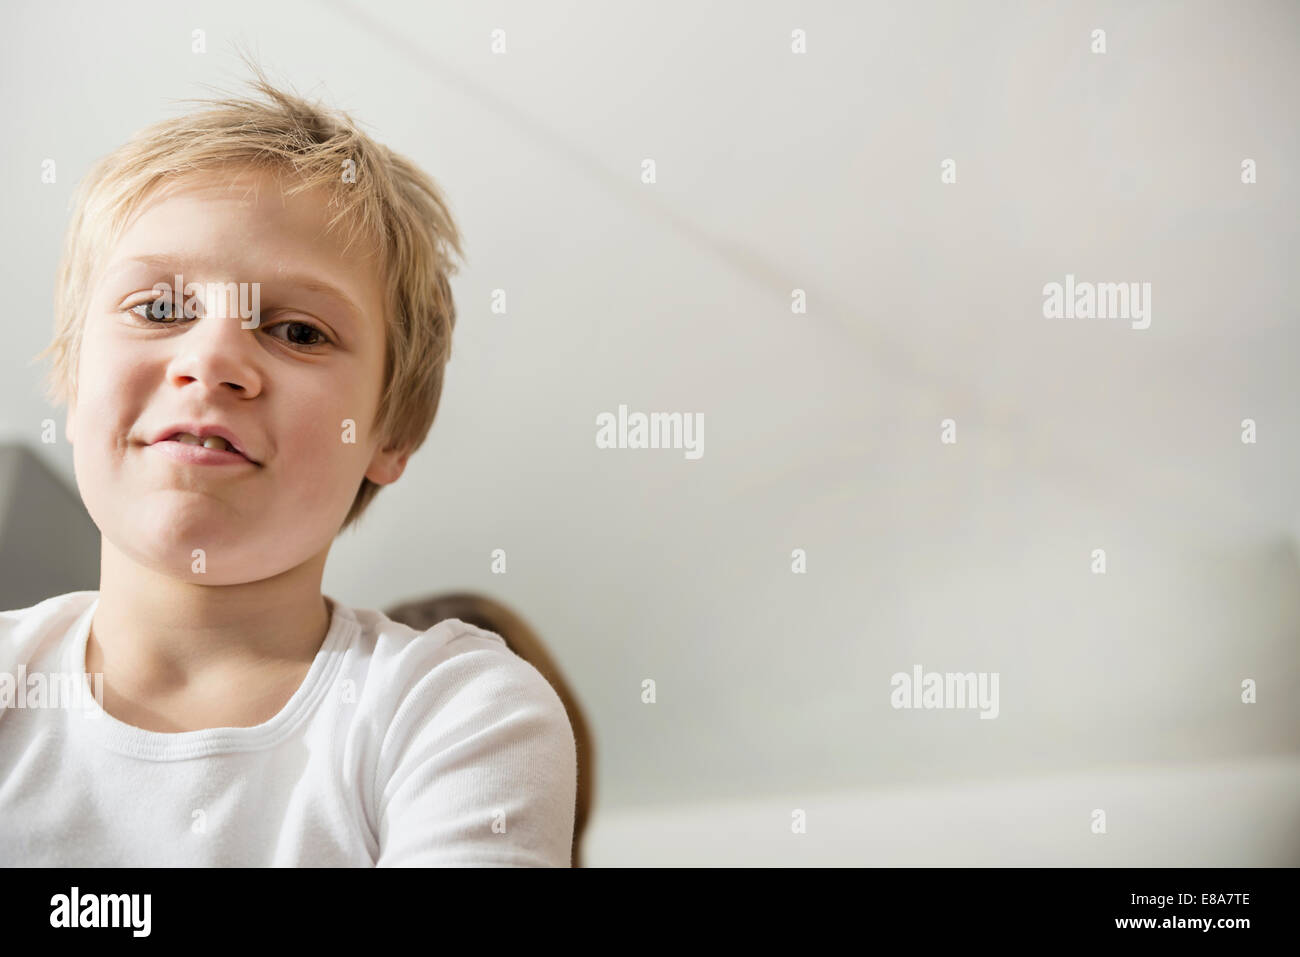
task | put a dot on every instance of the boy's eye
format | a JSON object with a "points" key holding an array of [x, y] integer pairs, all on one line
{"points": [[156, 310], [305, 329], [162, 311]]}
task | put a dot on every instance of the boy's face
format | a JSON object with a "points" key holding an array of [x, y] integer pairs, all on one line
{"points": [[285, 387]]}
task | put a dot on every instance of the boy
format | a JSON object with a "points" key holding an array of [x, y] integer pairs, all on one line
{"points": [[253, 318]]}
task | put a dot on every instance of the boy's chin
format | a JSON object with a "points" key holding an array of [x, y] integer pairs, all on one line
{"points": [[170, 536], [211, 564]]}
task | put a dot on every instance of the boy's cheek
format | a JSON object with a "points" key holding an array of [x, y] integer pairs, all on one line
{"points": [[323, 451]]}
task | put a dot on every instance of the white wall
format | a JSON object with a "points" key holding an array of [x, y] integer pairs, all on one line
{"points": [[1225, 814]]}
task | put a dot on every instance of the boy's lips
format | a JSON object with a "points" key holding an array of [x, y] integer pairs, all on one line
{"points": [[200, 455], [192, 448]]}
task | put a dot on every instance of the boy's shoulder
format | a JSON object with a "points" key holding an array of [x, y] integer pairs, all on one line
{"points": [[452, 660], [49, 607], [467, 724], [390, 643], [27, 633], [57, 611]]}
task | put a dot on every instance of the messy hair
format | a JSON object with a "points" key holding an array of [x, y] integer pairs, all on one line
{"points": [[387, 202]]}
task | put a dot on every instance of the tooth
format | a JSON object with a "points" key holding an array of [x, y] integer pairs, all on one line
{"points": [[188, 439], [215, 442]]}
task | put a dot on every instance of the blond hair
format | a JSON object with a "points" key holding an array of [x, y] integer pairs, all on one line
{"points": [[389, 203]]}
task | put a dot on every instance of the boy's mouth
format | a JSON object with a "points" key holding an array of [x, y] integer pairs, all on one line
{"points": [[203, 444], [197, 454]]}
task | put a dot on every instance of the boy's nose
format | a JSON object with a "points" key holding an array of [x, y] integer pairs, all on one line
{"points": [[217, 351]]}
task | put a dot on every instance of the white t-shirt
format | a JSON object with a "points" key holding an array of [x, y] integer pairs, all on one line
{"points": [[401, 748]]}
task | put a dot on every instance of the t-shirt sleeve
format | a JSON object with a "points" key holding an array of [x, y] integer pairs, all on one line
{"points": [[479, 768]]}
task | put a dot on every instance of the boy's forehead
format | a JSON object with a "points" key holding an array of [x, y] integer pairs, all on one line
{"points": [[246, 219], [255, 197]]}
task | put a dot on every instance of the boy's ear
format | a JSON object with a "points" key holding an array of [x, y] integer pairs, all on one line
{"points": [[388, 464]]}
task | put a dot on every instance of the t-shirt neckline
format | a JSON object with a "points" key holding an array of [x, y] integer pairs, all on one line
{"points": [[127, 739]]}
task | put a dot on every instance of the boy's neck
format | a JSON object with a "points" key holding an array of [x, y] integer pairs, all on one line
{"points": [[155, 637]]}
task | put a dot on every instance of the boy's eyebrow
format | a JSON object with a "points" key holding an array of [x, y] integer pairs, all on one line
{"points": [[306, 283]]}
